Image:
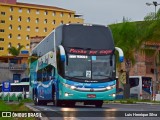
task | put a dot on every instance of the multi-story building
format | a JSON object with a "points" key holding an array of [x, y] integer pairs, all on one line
{"points": [[20, 21]]}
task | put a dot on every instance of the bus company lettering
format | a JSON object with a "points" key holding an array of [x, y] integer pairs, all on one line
{"points": [[90, 52], [105, 52], [77, 51]]}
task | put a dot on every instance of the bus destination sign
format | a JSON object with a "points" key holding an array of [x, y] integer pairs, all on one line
{"points": [[89, 52]]}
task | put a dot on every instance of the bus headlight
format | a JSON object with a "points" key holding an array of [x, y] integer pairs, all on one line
{"points": [[66, 94], [73, 87], [69, 86], [109, 87], [112, 95]]}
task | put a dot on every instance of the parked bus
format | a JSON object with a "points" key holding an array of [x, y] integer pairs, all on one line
{"points": [[140, 87], [74, 63], [18, 91]]}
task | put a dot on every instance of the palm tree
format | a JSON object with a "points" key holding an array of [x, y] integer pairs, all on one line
{"points": [[126, 37], [15, 51]]}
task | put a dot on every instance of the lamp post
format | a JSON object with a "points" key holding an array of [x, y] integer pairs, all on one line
{"points": [[155, 4]]}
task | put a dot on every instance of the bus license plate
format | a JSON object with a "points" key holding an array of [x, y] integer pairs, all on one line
{"points": [[91, 96]]}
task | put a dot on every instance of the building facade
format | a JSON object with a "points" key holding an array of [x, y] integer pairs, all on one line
{"points": [[20, 21]]}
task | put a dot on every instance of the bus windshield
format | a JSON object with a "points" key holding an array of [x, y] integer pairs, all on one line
{"points": [[89, 67]]}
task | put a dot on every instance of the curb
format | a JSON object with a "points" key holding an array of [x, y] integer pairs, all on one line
{"points": [[36, 110], [148, 103], [134, 103]]}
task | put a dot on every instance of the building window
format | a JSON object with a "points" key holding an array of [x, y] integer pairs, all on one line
{"points": [[53, 22], [1, 39], [45, 21], [37, 11], [45, 12], [37, 29], [28, 28], [1, 48], [19, 36], [61, 22], [18, 45], [2, 13], [20, 10], [10, 27], [28, 19], [54, 13], [28, 11], [27, 46], [1, 30], [11, 17], [10, 44], [20, 18], [10, 36], [45, 29], [69, 15], [62, 14], [27, 37], [19, 27], [11, 9], [2, 21], [37, 20]]}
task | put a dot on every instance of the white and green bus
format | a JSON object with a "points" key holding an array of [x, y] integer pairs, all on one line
{"points": [[18, 92]]}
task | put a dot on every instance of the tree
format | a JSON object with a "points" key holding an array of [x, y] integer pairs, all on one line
{"points": [[152, 50], [15, 51], [126, 36]]}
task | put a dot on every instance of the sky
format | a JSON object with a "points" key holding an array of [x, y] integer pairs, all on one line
{"points": [[103, 12]]}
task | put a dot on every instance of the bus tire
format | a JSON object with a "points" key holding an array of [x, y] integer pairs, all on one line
{"points": [[99, 104], [57, 103], [70, 103], [36, 100]]}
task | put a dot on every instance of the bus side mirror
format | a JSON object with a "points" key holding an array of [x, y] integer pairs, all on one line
{"points": [[62, 53]]}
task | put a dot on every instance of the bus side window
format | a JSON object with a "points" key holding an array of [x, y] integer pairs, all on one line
{"points": [[44, 74], [50, 72], [39, 75]]}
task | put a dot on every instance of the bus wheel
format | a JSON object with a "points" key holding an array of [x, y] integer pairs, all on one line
{"points": [[99, 104], [36, 100], [57, 103], [70, 104]]}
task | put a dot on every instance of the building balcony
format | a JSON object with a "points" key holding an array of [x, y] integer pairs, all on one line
{"points": [[12, 66]]}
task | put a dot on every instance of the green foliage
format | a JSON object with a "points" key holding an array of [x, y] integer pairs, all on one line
{"points": [[131, 36], [27, 100], [150, 16], [126, 36], [15, 51], [21, 104]]}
